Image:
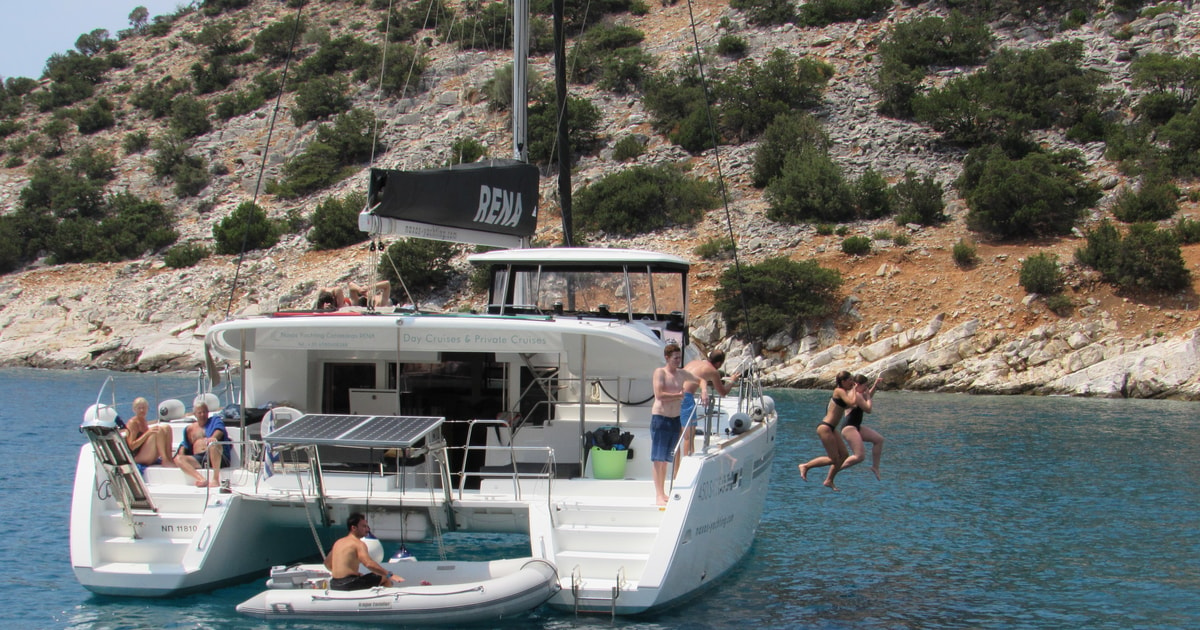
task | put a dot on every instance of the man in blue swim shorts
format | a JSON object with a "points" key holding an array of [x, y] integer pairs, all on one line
{"points": [[668, 384]]}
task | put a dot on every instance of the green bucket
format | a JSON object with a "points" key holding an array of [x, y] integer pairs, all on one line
{"points": [[608, 464]]}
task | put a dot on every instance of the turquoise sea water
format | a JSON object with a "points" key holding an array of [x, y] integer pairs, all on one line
{"points": [[993, 512]]}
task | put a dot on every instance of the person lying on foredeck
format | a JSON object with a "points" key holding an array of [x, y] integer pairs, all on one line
{"points": [[379, 294], [331, 299]]}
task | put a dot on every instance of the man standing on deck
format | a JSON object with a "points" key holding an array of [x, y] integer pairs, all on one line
{"points": [[707, 371], [668, 385], [349, 552]]}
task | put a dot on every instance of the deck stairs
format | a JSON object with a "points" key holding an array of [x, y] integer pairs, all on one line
{"points": [[601, 545]]}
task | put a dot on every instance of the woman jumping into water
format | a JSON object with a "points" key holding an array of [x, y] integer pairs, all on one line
{"points": [[844, 397], [855, 433]]}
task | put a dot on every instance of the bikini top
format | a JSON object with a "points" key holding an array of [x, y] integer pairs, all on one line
{"points": [[838, 401]]}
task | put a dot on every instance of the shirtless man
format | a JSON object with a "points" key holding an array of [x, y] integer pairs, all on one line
{"points": [[349, 552], [205, 444], [668, 385], [707, 371]]}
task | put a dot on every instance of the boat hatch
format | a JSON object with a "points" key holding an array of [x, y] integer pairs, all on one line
{"points": [[348, 430]]}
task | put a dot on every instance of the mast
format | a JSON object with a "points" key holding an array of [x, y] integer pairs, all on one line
{"points": [[564, 145], [520, 100]]}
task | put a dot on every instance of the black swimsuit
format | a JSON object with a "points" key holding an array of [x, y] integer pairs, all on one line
{"points": [[833, 425], [854, 418]]}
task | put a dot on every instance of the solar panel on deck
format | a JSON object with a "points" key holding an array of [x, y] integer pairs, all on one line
{"points": [[380, 431]]}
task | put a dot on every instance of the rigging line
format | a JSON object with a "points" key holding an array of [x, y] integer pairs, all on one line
{"points": [[572, 62], [262, 165], [387, 31], [400, 279], [712, 129]]}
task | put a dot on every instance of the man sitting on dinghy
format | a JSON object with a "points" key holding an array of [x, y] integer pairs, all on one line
{"points": [[349, 552]]}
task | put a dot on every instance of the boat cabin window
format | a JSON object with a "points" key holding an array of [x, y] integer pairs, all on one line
{"points": [[630, 292]]}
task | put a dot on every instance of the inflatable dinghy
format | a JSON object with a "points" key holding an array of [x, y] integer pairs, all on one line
{"points": [[431, 593]]}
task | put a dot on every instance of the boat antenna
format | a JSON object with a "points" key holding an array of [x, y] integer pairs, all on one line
{"points": [[262, 164], [716, 140]]}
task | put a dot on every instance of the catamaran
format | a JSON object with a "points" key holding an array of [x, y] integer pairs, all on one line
{"points": [[439, 422]]}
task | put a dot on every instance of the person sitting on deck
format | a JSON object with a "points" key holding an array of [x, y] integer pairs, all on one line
{"points": [[348, 553], [380, 294], [205, 443], [150, 445]]}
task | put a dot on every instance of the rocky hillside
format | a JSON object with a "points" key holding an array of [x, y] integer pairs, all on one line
{"points": [[910, 313]]}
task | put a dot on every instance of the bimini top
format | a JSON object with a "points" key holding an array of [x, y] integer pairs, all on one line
{"points": [[581, 256]]}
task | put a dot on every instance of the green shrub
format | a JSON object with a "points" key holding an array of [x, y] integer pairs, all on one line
{"points": [[902, 240], [956, 40], [781, 137], [95, 117], [1168, 83], [871, 197], [1154, 201], [135, 142], [1182, 137], [213, 8], [1187, 231], [609, 55], [715, 248], [810, 187], [752, 94], [330, 157], [643, 199], [918, 201], [498, 88], [156, 98], [778, 294], [824, 229], [320, 97], [1059, 304], [191, 176], [239, 103], [245, 229], [466, 151], [133, 227], [189, 117], [1017, 92], [732, 46], [824, 12], [1148, 258], [214, 76], [72, 190], [766, 12], [220, 39], [1040, 274], [856, 246], [335, 222], [881, 235], [274, 41], [423, 266], [675, 100], [964, 253], [629, 148], [583, 122], [1036, 194]]}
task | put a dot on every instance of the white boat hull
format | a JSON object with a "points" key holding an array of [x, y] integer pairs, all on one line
{"points": [[456, 593]]}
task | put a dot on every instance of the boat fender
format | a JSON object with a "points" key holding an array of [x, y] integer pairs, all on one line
{"points": [[739, 423], [171, 409], [763, 408], [210, 400], [102, 416]]}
